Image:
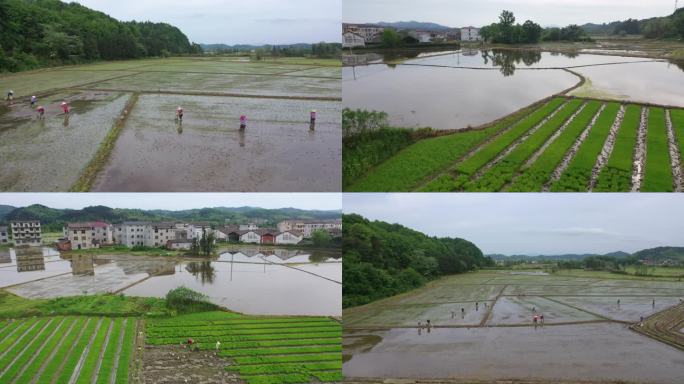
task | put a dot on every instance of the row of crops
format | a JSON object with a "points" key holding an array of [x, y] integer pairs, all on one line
{"points": [[564, 145], [66, 350], [264, 350]]}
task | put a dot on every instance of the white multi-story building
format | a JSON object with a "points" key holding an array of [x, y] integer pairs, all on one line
{"points": [[371, 33], [306, 227], [26, 232], [248, 227], [158, 234], [4, 234], [195, 230], [130, 233], [352, 40], [89, 235], [470, 34]]}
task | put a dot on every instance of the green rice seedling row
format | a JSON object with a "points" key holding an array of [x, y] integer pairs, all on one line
{"points": [[108, 359], [88, 369], [577, 176], [126, 352], [658, 173], [534, 177], [616, 176]]}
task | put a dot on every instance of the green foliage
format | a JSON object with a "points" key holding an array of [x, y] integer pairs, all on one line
{"points": [[53, 365], [321, 238], [109, 355], [126, 352], [382, 259], [657, 168], [572, 32], [616, 176], [185, 300], [49, 32], [87, 371], [358, 122], [106, 305], [507, 32], [390, 39]]}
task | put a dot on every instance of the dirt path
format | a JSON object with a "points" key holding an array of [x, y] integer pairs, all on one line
{"points": [[640, 152], [517, 142], [71, 348], [565, 163], [675, 156], [42, 367], [607, 150], [117, 355], [78, 367], [98, 365], [490, 310], [171, 364], [39, 350]]}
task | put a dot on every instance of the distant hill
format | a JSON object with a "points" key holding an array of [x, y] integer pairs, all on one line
{"points": [[4, 210], [53, 219], [661, 253], [656, 27], [249, 47], [423, 26]]}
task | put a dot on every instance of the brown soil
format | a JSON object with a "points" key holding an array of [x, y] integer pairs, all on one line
{"points": [[174, 364]]}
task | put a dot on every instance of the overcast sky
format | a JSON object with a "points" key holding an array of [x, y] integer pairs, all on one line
{"points": [[176, 201], [536, 223], [459, 13], [235, 22]]}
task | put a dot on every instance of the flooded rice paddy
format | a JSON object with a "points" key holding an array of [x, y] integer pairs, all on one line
{"points": [[300, 283], [208, 151], [277, 152], [49, 154], [585, 335], [454, 90]]}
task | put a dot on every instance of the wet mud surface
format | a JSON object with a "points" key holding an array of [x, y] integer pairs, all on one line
{"points": [[176, 365], [208, 152]]}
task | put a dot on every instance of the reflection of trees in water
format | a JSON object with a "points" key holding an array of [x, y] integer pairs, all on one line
{"points": [[507, 60], [204, 270]]}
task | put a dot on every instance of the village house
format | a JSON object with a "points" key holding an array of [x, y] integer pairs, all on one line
{"points": [[248, 227], [26, 232], [470, 34], [352, 40], [250, 237], [130, 233], [157, 234], [289, 237], [88, 235], [268, 236], [4, 234], [184, 245]]}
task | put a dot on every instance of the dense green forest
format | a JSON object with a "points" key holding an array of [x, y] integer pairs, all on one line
{"points": [[53, 219], [506, 31], [657, 27], [40, 33], [382, 259]]}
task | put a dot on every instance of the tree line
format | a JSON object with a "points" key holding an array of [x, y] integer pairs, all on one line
{"points": [[382, 259], [506, 31], [40, 33]]}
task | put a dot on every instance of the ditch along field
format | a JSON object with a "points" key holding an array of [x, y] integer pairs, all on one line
{"points": [[259, 349], [561, 144], [587, 335], [66, 350], [122, 131]]}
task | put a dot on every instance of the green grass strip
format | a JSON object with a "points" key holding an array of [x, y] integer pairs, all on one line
{"points": [[329, 376], [47, 350], [126, 352], [89, 174], [533, 178], [277, 343], [405, 171], [17, 347], [9, 328], [502, 173], [237, 328], [110, 353], [72, 358], [577, 176], [54, 364], [279, 351], [287, 359], [90, 362], [285, 368], [30, 347], [658, 169], [290, 378], [616, 176], [226, 338], [677, 118]]}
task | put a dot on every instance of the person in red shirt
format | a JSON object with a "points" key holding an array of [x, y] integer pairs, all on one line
{"points": [[41, 112], [65, 108], [179, 114]]}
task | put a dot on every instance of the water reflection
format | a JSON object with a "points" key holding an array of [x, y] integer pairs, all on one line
{"points": [[204, 271], [507, 60]]}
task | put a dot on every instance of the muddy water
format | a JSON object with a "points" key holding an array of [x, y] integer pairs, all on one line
{"points": [[208, 152], [288, 289], [577, 352], [49, 154], [655, 82], [491, 84]]}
